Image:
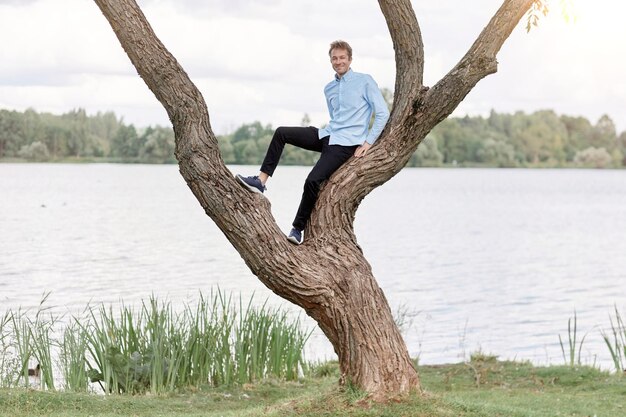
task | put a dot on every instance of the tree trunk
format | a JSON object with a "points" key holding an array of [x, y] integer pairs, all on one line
{"points": [[327, 275]]}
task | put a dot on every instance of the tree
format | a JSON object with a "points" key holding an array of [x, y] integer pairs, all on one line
{"points": [[593, 158], [622, 147], [10, 133], [579, 132], [158, 145], [327, 276], [427, 154], [543, 137], [125, 143], [496, 153], [604, 134], [36, 151]]}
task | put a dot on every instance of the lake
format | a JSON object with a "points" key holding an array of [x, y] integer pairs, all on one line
{"points": [[495, 260]]}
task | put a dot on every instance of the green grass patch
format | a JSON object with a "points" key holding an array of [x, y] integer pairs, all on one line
{"points": [[481, 387], [153, 348]]}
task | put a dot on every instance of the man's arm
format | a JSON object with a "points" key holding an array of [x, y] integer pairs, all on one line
{"points": [[330, 106], [379, 107], [381, 115]]}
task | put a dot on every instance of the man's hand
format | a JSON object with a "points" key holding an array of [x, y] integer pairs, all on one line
{"points": [[362, 150]]}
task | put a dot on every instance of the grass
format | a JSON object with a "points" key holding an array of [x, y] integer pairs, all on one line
{"points": [[222, 358], [573, 345], [616, 341], [506, 389], [153, 348]]}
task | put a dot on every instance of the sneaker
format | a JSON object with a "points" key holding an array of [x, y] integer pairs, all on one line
{"points": [[295, 236], [253, 184]]}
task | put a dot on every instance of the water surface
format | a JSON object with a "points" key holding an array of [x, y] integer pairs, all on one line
{"points": [[488, 259]]}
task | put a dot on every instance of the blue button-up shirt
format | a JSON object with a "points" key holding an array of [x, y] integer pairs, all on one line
{"points": [[351, 101]]}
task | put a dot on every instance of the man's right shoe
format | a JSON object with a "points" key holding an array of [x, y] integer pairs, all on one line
{"points": [[295, 236], [253, 184]]}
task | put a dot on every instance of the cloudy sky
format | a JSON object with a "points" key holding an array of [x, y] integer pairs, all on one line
{"points": [[267, 59]]}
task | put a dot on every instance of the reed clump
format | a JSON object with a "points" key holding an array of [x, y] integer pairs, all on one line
{"points": [[153, 348], [615, 340], [572, 353]]}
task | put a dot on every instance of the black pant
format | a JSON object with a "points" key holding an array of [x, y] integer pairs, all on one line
{"points": [[333, 156]]}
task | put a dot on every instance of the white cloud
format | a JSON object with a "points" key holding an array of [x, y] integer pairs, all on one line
{"points": [[267, 59]]}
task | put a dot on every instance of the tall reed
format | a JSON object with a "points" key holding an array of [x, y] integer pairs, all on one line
{"points": [[9, 364], [41, 330], [27, 340], [73, 357], [616, 341], [154, 347], [22, 345], [573, 345], [267, 343], [158, 349]]}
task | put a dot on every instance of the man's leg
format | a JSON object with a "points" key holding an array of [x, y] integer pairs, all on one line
{"points": [[302, 137], [333, 156]]}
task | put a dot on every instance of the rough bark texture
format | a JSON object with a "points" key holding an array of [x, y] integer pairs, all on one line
{"points": [[328, 275]]}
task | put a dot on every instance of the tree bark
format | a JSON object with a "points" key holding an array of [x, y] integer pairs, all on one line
{"points": [[327, 275]]}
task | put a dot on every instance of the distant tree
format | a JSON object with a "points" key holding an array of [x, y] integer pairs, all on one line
{"points": [[618, 158], [427, 154], [125, 143], [36, 151], [247, 152], [579, 132], [458, 140], [226, 149], [104, 126], [604, 134], [79, 140], [31, 128], [622, 147], [254, 131], [541, 138], [496, 153], [11, 137], [157, 145], [593, 158]]}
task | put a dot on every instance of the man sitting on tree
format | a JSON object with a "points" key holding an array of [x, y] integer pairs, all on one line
{"points": [[352, 98]]}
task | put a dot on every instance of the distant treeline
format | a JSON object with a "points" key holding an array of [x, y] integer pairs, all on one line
{"points": [[76, 136], [540, 139]]}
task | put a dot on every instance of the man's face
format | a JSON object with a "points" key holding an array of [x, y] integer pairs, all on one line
{"points": [[340, 61]]}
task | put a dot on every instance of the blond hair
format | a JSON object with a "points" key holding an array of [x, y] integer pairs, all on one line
{"points": [[339, 44]]}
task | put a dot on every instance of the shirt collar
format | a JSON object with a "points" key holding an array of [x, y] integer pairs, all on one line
{"points": [[347, 76]]}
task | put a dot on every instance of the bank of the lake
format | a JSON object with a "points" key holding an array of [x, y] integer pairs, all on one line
{"points": [[481, 387], [550, 164]]}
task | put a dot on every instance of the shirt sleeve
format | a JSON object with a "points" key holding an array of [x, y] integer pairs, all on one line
{"points": [[379, 107], [330, 106]]}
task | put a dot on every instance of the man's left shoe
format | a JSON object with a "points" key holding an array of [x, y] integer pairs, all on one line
{"points": [[253, 184], [295, 236]]}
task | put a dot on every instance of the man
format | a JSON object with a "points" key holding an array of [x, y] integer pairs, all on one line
{"points": [[352, 98]]}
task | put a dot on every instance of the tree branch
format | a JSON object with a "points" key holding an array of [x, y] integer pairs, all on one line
{"points": [[154, 63], [409, 52], [478, 62]]}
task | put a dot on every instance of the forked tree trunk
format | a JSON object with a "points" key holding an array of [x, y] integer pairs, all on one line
{"points": [[327, 275]]}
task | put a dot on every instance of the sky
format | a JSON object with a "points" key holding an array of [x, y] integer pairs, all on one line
{"points": [[267, 60]]}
